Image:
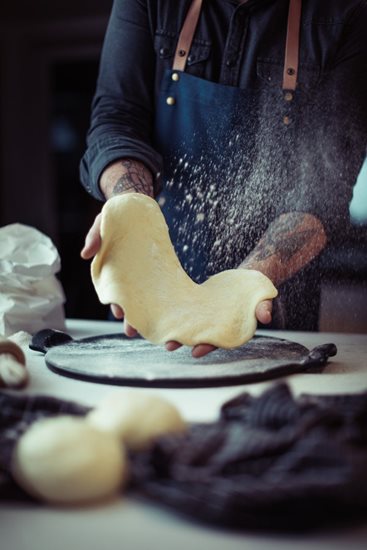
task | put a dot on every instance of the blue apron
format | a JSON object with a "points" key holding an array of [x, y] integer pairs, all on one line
{"points": [[199, 137], [207, 135]]}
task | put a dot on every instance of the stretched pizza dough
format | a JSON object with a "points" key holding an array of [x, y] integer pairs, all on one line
{"points": [[137, 269]]}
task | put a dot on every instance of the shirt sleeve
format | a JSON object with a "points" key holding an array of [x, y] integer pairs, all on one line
{"points": [[122, 109], [331, 135]]}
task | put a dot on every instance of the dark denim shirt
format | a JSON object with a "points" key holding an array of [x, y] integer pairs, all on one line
{"points": [[242, 45]]}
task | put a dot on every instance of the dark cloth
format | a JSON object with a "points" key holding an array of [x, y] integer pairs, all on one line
{"points": [[272, 461], [313, 165], [17, 413]]}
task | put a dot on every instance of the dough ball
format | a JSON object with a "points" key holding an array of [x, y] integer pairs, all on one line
{"points": [[136, 418], [66, 460]]}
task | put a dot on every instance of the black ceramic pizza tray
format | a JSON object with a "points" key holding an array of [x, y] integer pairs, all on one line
{"points": [[119, 360]]}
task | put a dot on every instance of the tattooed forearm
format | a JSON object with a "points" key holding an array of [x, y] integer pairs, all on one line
{"points": [[126, 176], [288, 245], [136, 178], [285, 246]]}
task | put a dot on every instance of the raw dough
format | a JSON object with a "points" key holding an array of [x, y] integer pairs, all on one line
{"points": [[137, 419], [137, 268], [66, 460]]}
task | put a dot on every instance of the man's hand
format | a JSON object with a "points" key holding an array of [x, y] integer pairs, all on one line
{"points": [[92, 240], [92, 245]]}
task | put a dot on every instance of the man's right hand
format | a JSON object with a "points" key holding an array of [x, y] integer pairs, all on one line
{"points": [[92, 240], [92, 245]]}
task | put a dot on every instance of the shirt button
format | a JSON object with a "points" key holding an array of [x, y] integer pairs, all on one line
{"points": [[170, 100], [175, 77], [163, 51], [286, 120], [230, 62], [288, 96]]}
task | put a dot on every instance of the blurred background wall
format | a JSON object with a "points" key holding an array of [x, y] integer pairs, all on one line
{"points": [[49, 54]]}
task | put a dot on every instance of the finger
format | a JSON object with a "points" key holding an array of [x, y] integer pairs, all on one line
{"points": [[263, 312], [202, 349], [172, 346], [92, 240], [129, 330], [117, 312]]}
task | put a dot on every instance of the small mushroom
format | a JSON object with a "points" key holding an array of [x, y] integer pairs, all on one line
{"points": [[13, 372]]}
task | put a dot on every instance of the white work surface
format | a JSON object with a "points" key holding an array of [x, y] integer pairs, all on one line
{"points": [[129, 524]]}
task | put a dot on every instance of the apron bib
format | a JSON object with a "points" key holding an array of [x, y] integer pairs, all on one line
{"points": [[208, 134]]}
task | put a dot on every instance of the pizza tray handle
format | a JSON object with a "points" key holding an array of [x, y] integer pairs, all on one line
{"points": [[48, 338], [319, 355]]}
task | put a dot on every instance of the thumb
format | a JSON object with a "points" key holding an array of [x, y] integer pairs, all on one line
{"points": [[92, 240], [263, 312]]}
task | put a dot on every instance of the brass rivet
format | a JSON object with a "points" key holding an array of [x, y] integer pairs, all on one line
{"points": [[288, 96], [170, 100], [182, 53], [175, 77], [286, 120]]}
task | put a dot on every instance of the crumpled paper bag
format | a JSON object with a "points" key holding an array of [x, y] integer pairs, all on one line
{"points": [[31, 297]]}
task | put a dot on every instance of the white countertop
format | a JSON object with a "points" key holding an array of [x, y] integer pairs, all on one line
{"points": [[132, 525]]}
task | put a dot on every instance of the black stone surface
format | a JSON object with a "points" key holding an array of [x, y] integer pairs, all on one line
{"points": [[116, 359]]}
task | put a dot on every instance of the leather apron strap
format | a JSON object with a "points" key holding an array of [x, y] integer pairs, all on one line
{"points": [[291, 48], [292, 45], [186, 36]]}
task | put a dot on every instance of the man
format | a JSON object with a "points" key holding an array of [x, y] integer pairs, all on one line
{"points": [[247, 120]]}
